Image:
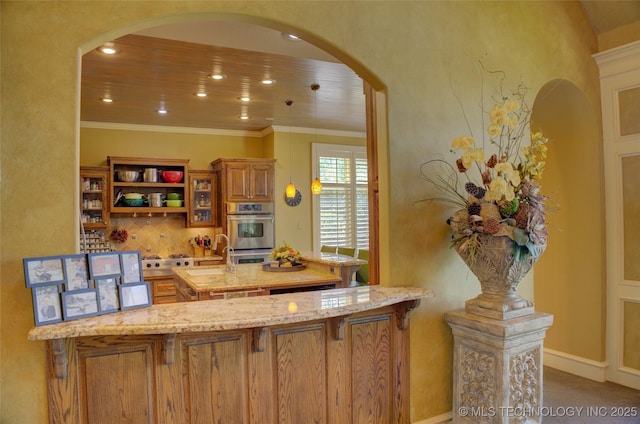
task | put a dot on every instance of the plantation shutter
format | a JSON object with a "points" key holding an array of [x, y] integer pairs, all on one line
{"points": [[342, 207]]}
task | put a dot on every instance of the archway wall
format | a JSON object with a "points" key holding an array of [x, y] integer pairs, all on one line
{"points": [[570, 276], [414, 48]]}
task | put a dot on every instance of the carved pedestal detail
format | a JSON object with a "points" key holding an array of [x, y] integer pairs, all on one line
{"points": [[497, 368]]}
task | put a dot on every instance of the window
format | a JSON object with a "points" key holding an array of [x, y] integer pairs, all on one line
{"points": [[341, 211]]}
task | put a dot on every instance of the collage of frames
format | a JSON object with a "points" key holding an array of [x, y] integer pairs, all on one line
{"points": [[76, 286]]}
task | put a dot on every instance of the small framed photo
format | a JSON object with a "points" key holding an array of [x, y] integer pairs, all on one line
{"points": [[104, 264], [46, 304], [79, 303], [43, 270], [135, 295], [77, 273], [108, 298], [131, 262]]}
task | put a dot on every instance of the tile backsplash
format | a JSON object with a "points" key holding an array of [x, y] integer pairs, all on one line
{"points": [[160, 235]]}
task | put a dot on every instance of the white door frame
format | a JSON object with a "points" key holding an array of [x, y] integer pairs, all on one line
{"points": [[619, 71]]}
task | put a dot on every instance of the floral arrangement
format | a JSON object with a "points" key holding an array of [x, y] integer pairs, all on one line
{"points": [[499, 194], [286, 255]]}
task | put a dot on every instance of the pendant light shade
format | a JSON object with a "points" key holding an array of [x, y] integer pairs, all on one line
{"points": [[290, 191], [316, 186]]}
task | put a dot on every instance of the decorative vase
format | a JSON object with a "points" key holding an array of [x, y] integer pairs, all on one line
{"points": [[499, 272]]}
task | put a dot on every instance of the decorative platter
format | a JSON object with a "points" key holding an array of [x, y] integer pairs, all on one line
{"points": [[297, 267]]}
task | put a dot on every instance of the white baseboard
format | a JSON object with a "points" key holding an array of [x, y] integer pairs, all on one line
{"points": [[576, 365], [444, 418]]}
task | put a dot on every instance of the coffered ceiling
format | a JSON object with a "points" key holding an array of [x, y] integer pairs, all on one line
{"points": [[168, 65]]}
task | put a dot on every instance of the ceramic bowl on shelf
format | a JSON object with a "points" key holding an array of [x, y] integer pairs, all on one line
{"points": [[173, 196], [133, 196], [172, 176], [174, 203], [133, 202], [128, 176]]}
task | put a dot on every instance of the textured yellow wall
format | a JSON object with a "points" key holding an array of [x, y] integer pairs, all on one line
{"points": [[413, 49]]}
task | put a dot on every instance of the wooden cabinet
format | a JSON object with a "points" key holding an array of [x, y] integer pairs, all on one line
{"points": [[202, 206], [94, 199], [148, 186], [163, 290], [344, 369], [242, 180]]}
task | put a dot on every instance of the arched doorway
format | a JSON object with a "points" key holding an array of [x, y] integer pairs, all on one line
{"points": [[374, 95], [569, 278]]}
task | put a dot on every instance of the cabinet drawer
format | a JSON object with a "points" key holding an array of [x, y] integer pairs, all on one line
{"points": [[164, 288]]}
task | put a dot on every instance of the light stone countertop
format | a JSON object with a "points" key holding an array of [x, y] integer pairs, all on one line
{"points": [[232, 314], [247, 277], [332, 259]]}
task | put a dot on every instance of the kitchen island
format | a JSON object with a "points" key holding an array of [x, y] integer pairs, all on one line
{"points": [[215, 282], [333, 356]]}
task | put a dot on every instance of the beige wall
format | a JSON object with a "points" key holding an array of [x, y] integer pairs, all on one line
{"points": [[414, 50]]}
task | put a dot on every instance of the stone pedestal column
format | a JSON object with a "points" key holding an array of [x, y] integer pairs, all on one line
{"points": [[497, 367]]}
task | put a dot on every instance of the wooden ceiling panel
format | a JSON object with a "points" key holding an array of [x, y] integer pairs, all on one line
{"points": [[150, 70]]}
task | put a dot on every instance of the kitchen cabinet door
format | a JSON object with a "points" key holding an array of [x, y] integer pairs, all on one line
{"points": [[94, 189], [202, 207], [243, 180]]}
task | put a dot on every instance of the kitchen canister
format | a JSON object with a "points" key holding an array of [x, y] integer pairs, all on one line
{"points": [[150, 175], [155, 200]]}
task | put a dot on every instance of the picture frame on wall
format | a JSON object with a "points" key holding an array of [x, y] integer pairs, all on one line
{"points": [[108, 296], [135, 295], [131, 264], [79, 304], [43, 270], [46, 304], [76, 272], [104, 265]]}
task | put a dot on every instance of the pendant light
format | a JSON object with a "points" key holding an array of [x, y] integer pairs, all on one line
{"points": [[290, 191], [316, 185]]}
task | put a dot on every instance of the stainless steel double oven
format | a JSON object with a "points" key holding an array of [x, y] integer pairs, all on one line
{"points": [[251, 231]]}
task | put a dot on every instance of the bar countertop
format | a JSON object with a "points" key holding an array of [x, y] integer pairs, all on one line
{"points": [[247, 277], [231, 314]]}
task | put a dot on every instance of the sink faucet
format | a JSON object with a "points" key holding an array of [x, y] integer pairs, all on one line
{"points": [[231, 266]]}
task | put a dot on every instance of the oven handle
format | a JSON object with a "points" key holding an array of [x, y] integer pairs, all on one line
{"points": [[232, 218]]}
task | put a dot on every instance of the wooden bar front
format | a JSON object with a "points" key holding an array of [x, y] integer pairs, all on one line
{"points": [[340, 368]]}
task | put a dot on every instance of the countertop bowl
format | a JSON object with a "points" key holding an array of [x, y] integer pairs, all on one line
{"points": [[128, 176], [133, 202], [172, 176]]}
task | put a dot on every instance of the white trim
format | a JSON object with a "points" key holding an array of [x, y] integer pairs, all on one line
{"points": [[442, 418], [212, 131], [171, 129], [577, 365], [319, 131]]}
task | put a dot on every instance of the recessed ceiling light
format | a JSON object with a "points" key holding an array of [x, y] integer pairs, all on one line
{"points": [[217, 76], [268, 81], [108, 48]]}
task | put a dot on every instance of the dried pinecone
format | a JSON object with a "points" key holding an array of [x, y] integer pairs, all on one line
{"points": [[491, 226], [493, 160], [474, 190], [522, 216]]}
